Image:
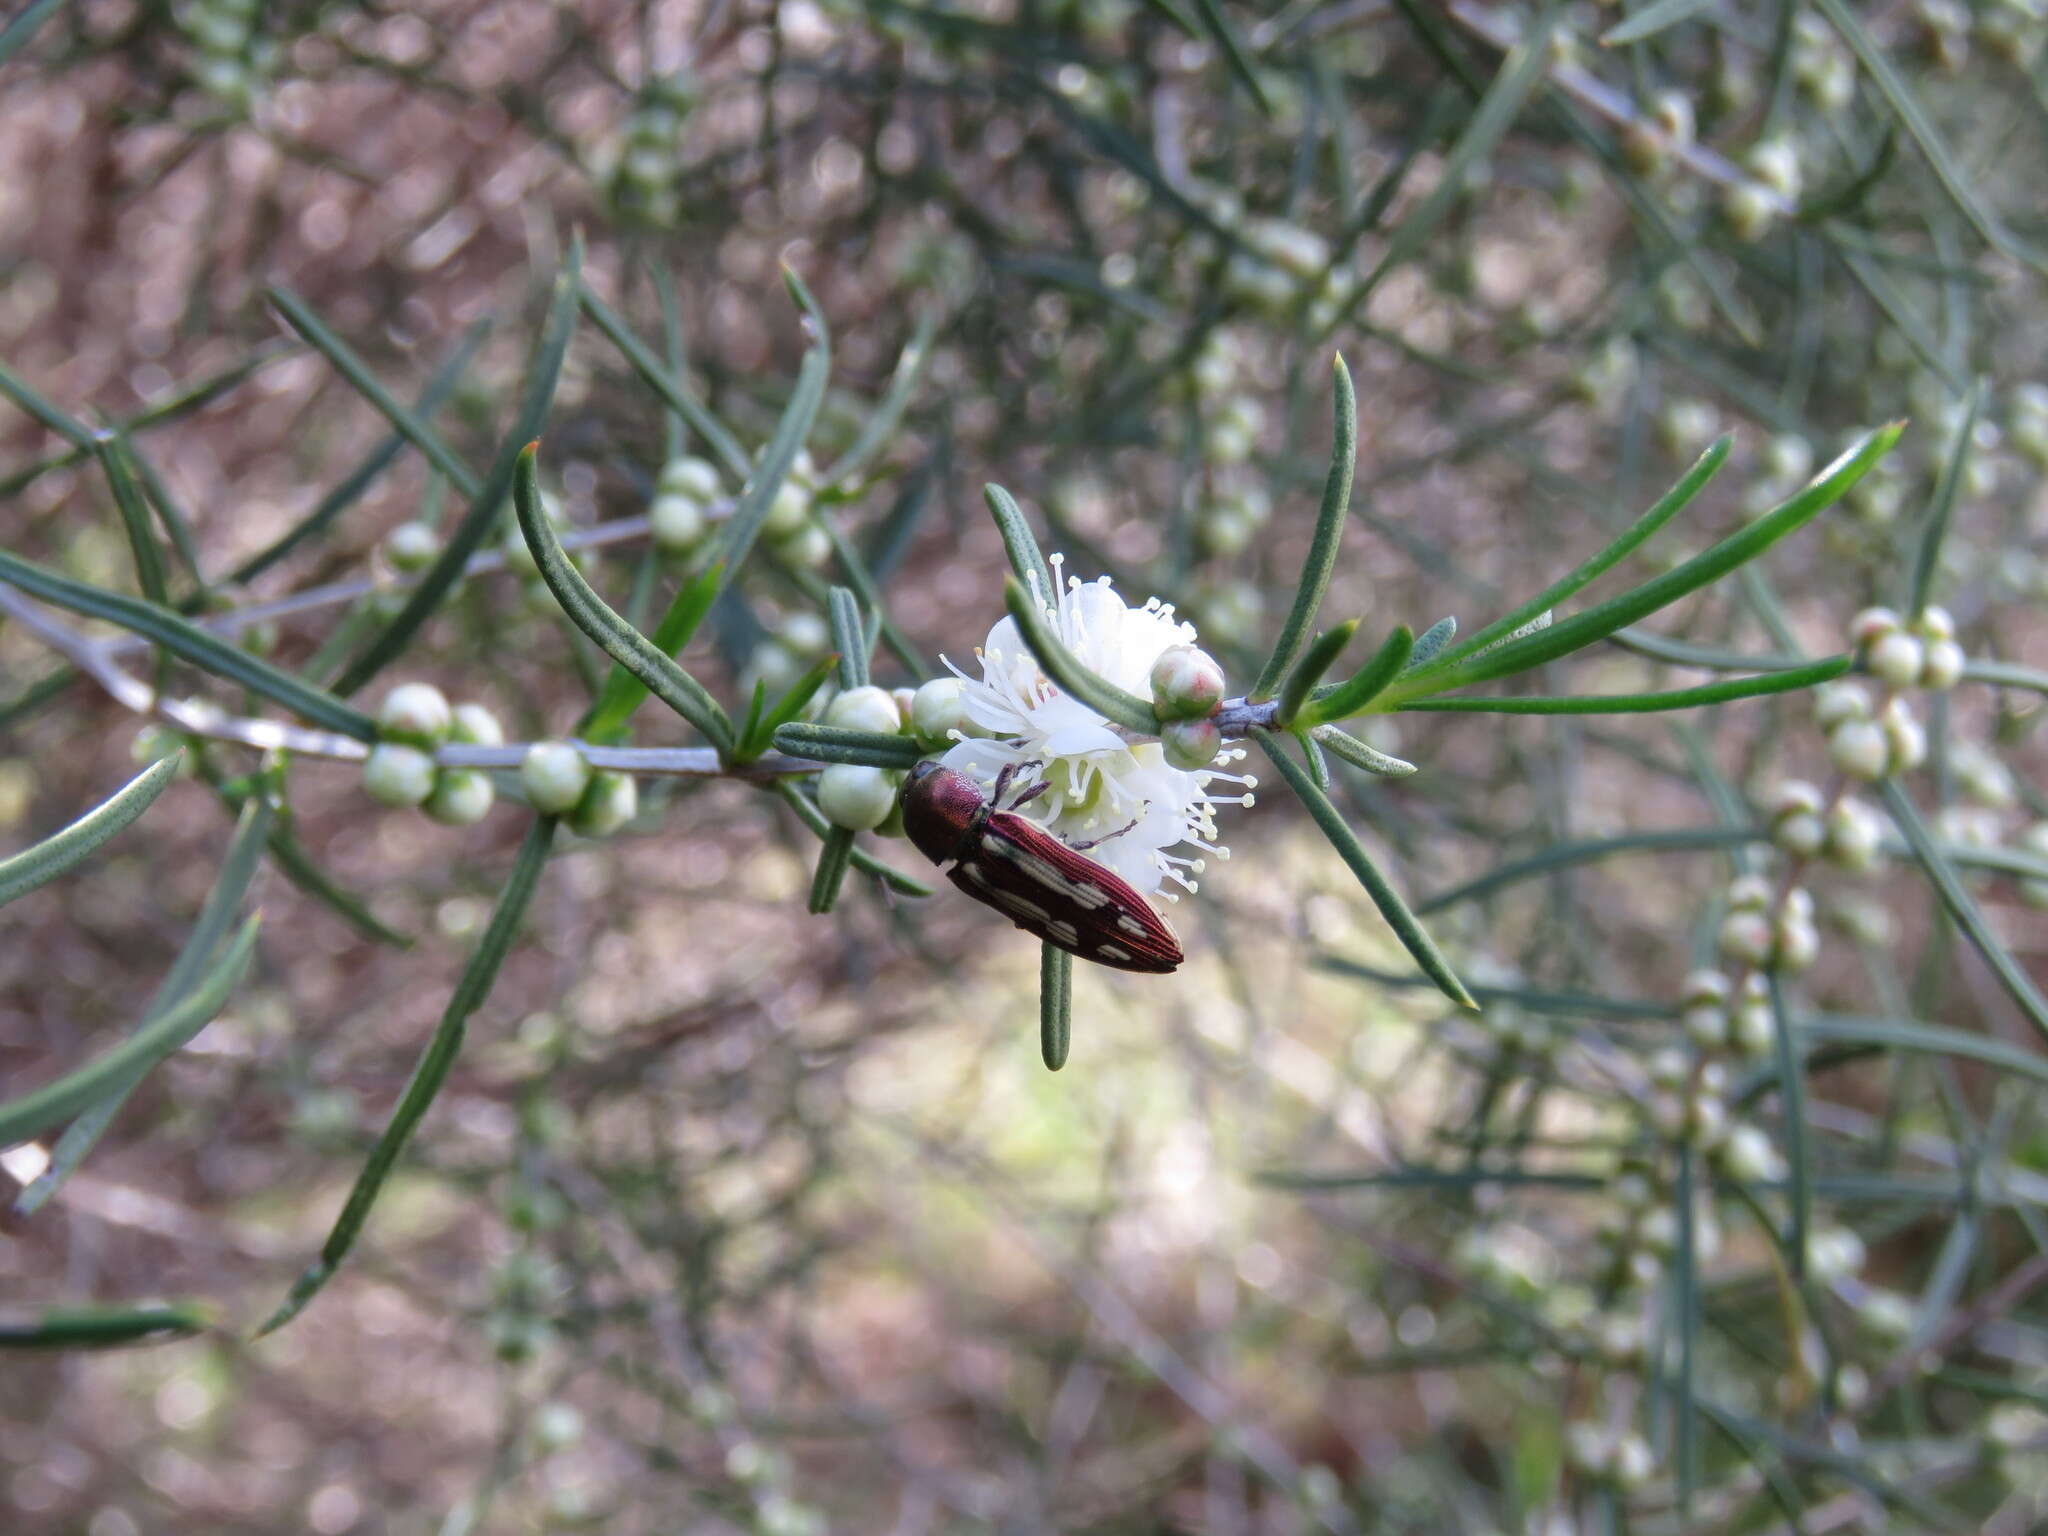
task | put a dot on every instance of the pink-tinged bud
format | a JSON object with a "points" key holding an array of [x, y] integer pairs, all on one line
{"points": [[1872, 625], [1746, 937], [1190, 744], [856, 796], [1187, 684]]}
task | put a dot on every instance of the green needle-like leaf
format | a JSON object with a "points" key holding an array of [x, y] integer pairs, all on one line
{"points": [[103, 1327], [1321, 655], [834, 854], [431, 1072], [850, 635], [621, 641], [751, 510], [24, 871], [1927, 557], [609, 716], [669, 386], [1647, 21], [117, 1070], [1329, 532], [1790, 1072], [253, 829], [22, 27], [1432, 642], [1061, 665], [1581, 630], [1638, 533], [1404, 922], [1568, 855], [836, 744], [184, 639], [1369, 681], [880, 428], [1225, 35], [59, 421], [413, 427], [1358, 754], [1639, 703], [1962, 906], [785, 709], [1055, 1005], [1026, 559], [135, 520]]}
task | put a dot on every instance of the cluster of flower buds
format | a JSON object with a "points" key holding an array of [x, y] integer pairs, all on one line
{"points": [[1753, 935], [1867, 743], [1649, 138], [1512, 1260], [1187, 693], [1752, 206], [559, 781], [793, 535], [1232, 420], [1687, 1103], [1848, 834], [1599, 1451], [230, 57], [641, 172], [865, 798], [1717, 1017], [401, 771], [680, 514], [1232, 612], [1279, 266], [1821, 63], [1921, 655]]}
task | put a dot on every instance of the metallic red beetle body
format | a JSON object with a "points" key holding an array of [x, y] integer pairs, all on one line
{"points": [[1046, 888]]}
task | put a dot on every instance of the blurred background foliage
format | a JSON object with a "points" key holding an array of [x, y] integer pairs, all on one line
{"points": [[735, 1219]]}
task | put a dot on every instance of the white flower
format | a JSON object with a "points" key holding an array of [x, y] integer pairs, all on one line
{"points": [[1101, 784]]}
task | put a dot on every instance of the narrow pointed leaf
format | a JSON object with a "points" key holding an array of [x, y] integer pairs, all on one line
{"points": [[1055, 1005], [850, 635], [1433, 641], [758, 494], [1406, 927], [1640, 703], [880, 427], [836, 744], [674, 393], [1026, 559], [116, 1070], [184, 639], [1369, 681], [1358, 754], [431, 1072], [1927, 556], [24, 871], [103, 1327], [135, 521], [834, 854], [621, 641], [1329, 532], [1638, 533], [623, 690], [864, 861], [1321, 655], [22, 27]]}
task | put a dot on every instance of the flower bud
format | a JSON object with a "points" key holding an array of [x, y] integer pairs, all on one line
{"points": [[1834, 1253], [414, 713], [461, 796], [1895, 658], [555, 776], [474, 726], [1797, 943], [1885, 1315], [1706, 1025], [411, 547], [806, 550], [608, 804], [938, 709], [856, 795], [789, 514], [1752, 1030], [1747, 1156], [1860, 749], [1190, 744], [694, 478], [1187, 684], [676, 522], [1903, 732], [1746, 937], [1749, 893], [1749, 210], [1775, 163], [1589, 1447], [1223, 531], [1835, 702], [1632, 1462], [1872, 625], [1795, 818], [805, 633], [1788, 459], [1854, 836], [865, 709], [1943, 666], [398, 775]]}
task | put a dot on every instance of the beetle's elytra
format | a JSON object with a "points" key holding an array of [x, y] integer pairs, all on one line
{"points": [[1046, 888]]}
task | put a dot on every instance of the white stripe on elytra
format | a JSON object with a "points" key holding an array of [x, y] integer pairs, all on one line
{"points": [[1083, 893]]}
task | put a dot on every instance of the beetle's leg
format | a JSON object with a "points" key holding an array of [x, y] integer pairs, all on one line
{"points": [[1003, 779], [1098, 841], [1029, 795]]}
